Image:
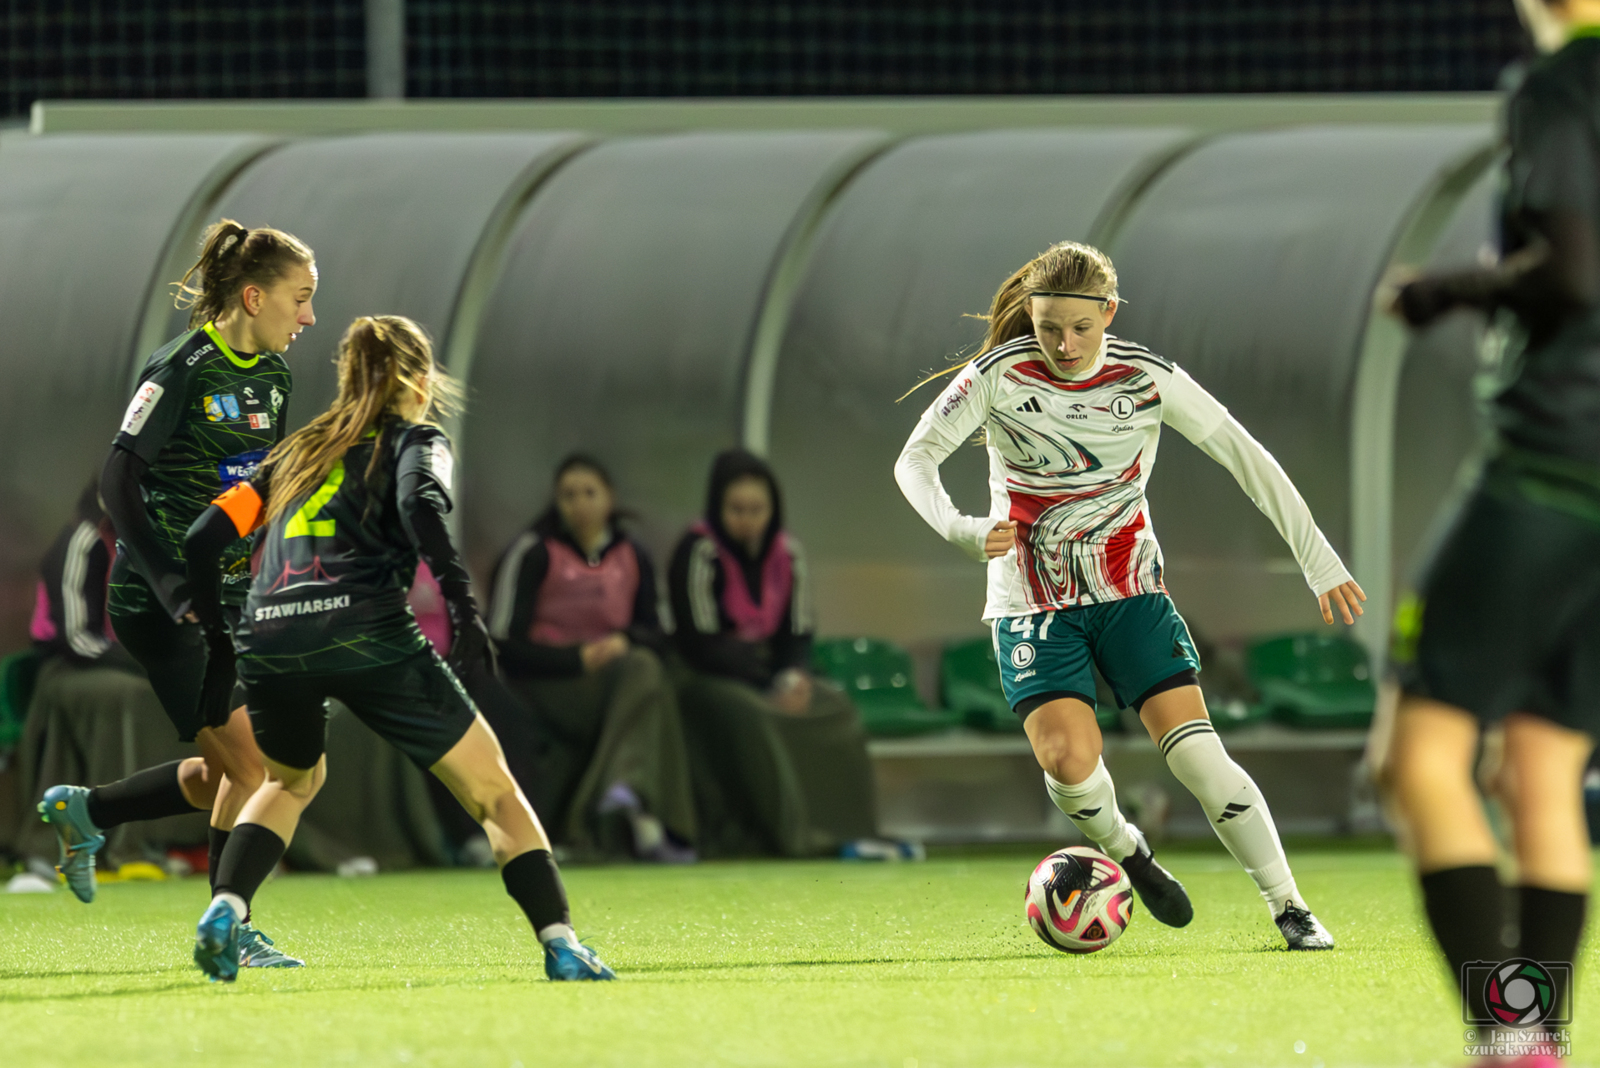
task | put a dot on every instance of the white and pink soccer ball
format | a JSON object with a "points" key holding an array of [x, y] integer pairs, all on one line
{"points": [[1078, 900]]}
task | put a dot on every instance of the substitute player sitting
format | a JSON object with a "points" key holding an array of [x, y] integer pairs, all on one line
{"points": [[350, 502], [1073, 416]]}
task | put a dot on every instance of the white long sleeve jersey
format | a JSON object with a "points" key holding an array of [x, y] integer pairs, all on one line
{"points": [[1068, 462]]}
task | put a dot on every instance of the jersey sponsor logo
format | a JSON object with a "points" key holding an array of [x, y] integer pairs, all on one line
{"points": [[260, 421], [221, 406], [302, 608], [276, 399], [1022, 655], [1122, 407], [954, 402], [139, 409], [236, 469], [199, 352]]}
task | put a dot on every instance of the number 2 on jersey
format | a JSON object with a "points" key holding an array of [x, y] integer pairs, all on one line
{"points": [[303, 522]]}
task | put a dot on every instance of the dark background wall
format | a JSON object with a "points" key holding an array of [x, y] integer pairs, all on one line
{"points": [[194, 49]]}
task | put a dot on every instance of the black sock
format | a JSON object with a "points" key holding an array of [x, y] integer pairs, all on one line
{"points": [[1466, 908], [252, 852], [534, 883], [1552, 922], [218, 841], [145, 795]]}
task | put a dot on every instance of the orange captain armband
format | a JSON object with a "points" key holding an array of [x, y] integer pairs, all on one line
{"points": [[244, 506]]}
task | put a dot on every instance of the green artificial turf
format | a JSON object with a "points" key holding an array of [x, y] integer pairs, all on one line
{"points": [[905, 966]]}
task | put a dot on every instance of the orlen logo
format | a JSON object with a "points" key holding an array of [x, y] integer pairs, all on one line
{"points": [[139, 409]]}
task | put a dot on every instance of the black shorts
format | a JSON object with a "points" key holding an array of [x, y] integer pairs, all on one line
{"points": [[173, 655], [1508, 615], [416, 705]]}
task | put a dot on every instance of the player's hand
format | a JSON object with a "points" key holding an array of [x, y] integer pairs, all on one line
{"points": [[1347, 598], [216, 685], [791, 691], [469, 638], [597, 654], [1001, 539]]}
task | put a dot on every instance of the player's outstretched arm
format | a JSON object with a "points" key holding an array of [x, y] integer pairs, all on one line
{"points": [[1266, 484]]}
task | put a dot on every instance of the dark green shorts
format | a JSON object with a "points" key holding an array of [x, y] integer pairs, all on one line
{"points": [[1137, 643], [1507, 616], [416, 705]]}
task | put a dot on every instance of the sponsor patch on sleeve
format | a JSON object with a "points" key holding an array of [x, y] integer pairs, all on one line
{"points": [[441, 462], [139, 409]]}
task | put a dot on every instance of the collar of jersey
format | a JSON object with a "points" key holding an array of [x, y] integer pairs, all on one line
{"points": [[222, 346], [1583, 31]]}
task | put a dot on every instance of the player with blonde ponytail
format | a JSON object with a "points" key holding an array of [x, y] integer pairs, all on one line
{"points": [[1072, 416], [208, 406], [350, 503]]}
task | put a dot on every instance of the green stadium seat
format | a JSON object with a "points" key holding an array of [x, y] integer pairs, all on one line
{"points": [[1227, 715], [1313, 680], [879, 678], [18, 672], [969, 681]]}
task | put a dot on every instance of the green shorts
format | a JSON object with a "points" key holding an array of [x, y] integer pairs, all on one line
{"points": [[1138, 643]]}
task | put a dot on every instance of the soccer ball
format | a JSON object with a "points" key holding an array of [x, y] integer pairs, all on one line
{"points": [[1078, 900]]}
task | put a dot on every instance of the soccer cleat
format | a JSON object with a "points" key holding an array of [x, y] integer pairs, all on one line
{"points": [[257, 951], [66, 808], [569, 961], [216, 943], [1301, 929], [1164, 897]]}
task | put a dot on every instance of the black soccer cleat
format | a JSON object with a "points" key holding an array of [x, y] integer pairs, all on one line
{"points": [[1301, 929], [1164, 897]]}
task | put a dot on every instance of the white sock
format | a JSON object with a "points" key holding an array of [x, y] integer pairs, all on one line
{"points": [[558, 930], [234, 902], [1092, 806], [1235, 807]]}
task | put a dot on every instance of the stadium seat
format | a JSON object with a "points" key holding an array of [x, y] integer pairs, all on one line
{"points": [[878, 676], [18, 672], [969, 681], [1313, 680], [1231, 714]]}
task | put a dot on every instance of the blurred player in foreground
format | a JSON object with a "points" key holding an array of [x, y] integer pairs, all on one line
{"points": [[1506, 625], [1072, 417], [350, 502]]}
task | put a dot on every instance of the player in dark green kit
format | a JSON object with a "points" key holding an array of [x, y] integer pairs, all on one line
{"points": [[349, 504], [1506, 624], [208, 407]]}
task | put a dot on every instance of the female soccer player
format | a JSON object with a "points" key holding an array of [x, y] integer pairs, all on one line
{"points": [[1072, 416], [1506, 627], [577, 627], [350, 502], [209, 405]]}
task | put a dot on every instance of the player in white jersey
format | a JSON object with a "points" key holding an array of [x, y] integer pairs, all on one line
{"points": [[1072, 417]]}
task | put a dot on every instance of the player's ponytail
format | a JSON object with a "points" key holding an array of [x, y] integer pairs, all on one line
{"points": [[1065, 267], [382, 360], [232, 257]]}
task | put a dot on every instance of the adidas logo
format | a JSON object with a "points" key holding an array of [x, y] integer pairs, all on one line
{"points": [[1232, 809], [1031, 406], [1085, 814]]}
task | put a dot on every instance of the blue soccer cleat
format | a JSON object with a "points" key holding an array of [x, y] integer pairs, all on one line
{"points": [[567, 961], [257, 951], [66, 808], [216, 943]]}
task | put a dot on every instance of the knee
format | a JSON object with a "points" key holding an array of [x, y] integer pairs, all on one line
{"points": [[492, 795], [300, 784], [1068, 758]]}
